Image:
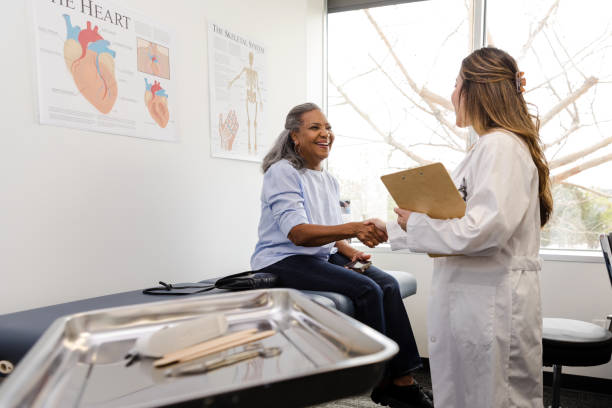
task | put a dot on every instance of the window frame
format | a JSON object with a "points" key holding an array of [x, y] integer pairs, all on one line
{"points": [[478, 41], [338, 6], [555, 255]]}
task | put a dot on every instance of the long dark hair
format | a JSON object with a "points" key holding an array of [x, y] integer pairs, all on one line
{"points": [[491, 98]]}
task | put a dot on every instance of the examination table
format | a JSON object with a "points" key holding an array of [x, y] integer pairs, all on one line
{"points": [[19, 331]]}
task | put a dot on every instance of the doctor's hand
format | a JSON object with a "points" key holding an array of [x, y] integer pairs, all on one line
{"points": [[369, 234], [402, 217]]}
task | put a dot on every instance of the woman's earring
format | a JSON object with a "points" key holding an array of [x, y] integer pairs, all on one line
{"points": [[296, 148]]}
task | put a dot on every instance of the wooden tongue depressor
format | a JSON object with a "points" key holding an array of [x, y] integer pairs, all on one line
{"points": [[181, 335], [213, 346], [177, 355]]}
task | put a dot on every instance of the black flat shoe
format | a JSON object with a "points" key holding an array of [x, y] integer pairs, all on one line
{"points": [[427, 392], [409, 396]]}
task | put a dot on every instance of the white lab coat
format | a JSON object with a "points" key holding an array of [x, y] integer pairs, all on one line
{"points": [[485, 319]]}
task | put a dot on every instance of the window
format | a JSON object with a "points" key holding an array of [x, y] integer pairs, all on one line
{"points": [[392, 70]]}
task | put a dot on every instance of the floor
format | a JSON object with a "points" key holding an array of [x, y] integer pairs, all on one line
{"points": [[569, 398]]}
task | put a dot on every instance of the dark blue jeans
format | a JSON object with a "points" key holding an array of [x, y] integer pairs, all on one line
{"points": [[375, 294]]}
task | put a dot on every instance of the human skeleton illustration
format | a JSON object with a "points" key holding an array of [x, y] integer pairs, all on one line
{"points": [[252, 91]]}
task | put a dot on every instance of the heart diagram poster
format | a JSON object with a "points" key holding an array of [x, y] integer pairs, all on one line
{"points": [[237, 83], [103, 68]]}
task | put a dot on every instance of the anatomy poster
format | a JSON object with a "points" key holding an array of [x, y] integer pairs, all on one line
{"points": [[104, 68], [237, 84]]}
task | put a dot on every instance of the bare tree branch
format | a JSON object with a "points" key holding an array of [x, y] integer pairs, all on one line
{"points": [[441, 46], [429, 97], [558, 74], [573, 114], [581, 167], [363, 139], [446, 126], [579, 154], [386, 137], [435, 98], [550, 85], [588, 83], [540, 27], [358, 76], [567, 54], [590, 190], [399, 88], [445, 134], [575, 127], [437, 145]]}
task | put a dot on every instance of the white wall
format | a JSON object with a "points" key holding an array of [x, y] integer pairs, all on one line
{"points": [[572, 290], [85, 214]]}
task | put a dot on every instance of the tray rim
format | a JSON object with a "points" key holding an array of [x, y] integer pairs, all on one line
{"points": [[37, 357]]}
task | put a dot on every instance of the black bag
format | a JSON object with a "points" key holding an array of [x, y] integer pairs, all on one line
{"points": [[239, 281]]}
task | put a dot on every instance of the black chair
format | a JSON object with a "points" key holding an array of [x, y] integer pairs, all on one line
{"points": [[576, 343]]}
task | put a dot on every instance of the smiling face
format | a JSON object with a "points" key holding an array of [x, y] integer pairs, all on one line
{"points": [[459, 108], [314, 139]]}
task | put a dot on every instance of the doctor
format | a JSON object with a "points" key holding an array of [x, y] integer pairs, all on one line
{"points": [[485, 323]]}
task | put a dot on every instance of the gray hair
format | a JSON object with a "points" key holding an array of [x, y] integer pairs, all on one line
{"points": [[283, 147]]}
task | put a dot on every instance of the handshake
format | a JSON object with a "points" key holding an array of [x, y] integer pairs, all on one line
{"points": [[373, 231]]}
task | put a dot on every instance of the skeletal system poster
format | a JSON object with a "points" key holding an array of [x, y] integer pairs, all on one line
{"points": [[104, 68], [237, 84]]}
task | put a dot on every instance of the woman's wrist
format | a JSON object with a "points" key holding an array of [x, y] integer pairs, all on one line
{"points": [[350, 252], [352, 229], [345, 249]]}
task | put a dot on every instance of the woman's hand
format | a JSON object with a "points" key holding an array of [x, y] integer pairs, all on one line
{"points": [[360, 256], [368, 234], [351, 253], [402, 217]]}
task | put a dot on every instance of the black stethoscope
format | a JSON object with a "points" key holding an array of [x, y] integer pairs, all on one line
{"points": [[463, 189]]}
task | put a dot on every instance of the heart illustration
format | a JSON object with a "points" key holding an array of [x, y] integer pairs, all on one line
{"points": [[91, 64], [156, 100], [154, 63]]}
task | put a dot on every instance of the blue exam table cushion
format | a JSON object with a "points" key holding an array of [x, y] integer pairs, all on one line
{"points": [[20, 330]]}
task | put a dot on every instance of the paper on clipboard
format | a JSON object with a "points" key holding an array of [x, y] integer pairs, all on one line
{"points": [[427, 189]]}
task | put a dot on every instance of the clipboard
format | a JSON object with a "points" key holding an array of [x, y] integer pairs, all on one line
{"points": [[427, 189]]}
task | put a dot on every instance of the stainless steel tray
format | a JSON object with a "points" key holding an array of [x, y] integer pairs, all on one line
{"points": [[79, 361]]}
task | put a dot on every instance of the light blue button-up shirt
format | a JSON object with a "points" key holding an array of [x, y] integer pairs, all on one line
{"points": [[290, 197]]}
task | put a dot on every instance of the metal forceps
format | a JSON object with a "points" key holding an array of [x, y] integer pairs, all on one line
{"points": [[201, 368]]}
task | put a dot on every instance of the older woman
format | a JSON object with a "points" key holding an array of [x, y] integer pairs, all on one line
{"points": [[302, 241]]}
